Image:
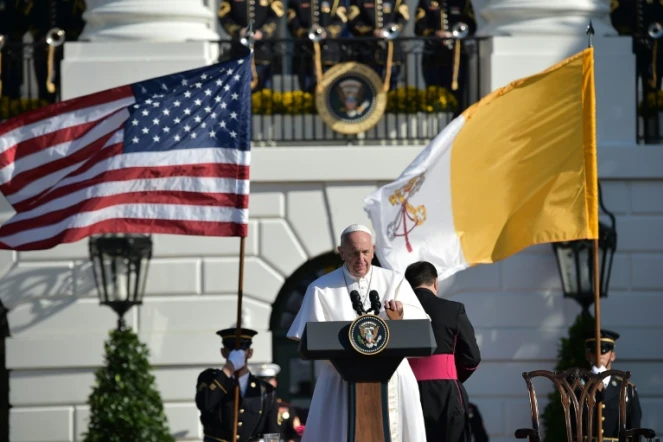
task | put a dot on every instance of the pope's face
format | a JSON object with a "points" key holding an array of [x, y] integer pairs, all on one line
{"points": [[357, 252]]}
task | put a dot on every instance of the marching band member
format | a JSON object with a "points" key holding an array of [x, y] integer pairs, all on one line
{"points": [[317, 21], [235, 16], [383, 20], [444, 62]]}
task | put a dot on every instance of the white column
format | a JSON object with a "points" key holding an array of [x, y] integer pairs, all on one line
{"points": [[125, 41], [148, 20], [524, 37], [533, 17]]}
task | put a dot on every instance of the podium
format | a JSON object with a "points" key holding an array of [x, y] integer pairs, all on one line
{"points": [[366, 352]]}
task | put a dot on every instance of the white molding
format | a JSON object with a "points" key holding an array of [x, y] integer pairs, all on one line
{"points": [[380, 163]]}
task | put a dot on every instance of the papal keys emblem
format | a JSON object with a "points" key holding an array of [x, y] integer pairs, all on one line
{"points": [[369, 334], [409, 216]]}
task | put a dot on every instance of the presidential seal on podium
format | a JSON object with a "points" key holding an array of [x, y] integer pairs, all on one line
{"points": [[369, 334], [350, 98]]}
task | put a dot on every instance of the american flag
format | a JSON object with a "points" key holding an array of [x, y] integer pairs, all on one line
{"points": [[166, 155]]}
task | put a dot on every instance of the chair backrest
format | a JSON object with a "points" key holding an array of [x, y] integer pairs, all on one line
{"points": [[577, 388]]}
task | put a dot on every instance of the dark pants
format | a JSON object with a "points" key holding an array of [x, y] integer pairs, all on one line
{"points": [[264, 76], [444, 404], [438, 70]]}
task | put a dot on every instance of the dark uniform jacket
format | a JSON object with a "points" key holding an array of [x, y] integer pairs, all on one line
{"points": [[445, 403], [363, 20], [649, 53], [610, 408], [258, 408], [435, 16], [13, 25], [332, 16], [234, 15]]}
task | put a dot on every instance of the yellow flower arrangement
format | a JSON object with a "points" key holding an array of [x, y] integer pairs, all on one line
{"points": [[402, 100], [652, 105], [266, 102], [438, 99], [298, 102], [11, 107]]}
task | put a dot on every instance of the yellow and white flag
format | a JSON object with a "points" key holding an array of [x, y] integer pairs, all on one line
{"points": [[518, 168]]}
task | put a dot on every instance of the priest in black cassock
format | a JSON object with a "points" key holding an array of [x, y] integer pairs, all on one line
{"points": [[440, 377]]}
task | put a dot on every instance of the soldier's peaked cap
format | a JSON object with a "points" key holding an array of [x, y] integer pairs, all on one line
{"points": [[606, 336], [228, 336]]}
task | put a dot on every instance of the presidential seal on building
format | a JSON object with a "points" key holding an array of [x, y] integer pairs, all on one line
{"points": [[350, 98], [369, 334]]}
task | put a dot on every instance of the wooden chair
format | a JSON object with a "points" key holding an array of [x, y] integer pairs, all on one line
{"points": [[577, 388]]}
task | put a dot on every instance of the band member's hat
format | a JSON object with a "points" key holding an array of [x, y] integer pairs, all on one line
{"points": [[608, 339], [229, 335], [266, 371]]}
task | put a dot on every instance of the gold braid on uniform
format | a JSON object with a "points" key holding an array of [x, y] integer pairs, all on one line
{"points": [[318, 65], [387, 73], [454, 81]]}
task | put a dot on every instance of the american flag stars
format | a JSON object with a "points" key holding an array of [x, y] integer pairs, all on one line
{"points": [[203, 109]]}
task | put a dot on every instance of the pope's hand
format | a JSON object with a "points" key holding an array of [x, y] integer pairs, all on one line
{"points": [[237, 358], [394, 309]]}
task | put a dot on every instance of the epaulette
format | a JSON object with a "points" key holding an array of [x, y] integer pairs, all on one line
{"points": [[619, 378]]}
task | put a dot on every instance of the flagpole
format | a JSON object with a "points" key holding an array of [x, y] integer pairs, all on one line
{"points": [[597, 285], [238, 332]]}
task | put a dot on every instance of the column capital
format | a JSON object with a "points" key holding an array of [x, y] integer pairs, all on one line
{"points": [[148, 20], [536, 17]]}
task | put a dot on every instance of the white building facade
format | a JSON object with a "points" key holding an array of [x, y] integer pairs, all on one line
{"points": [[301, 199]]}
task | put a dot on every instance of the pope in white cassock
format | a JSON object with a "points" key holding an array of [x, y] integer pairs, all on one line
{"points": [[328, 299]]}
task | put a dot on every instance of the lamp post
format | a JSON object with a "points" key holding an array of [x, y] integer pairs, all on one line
{"points": [[120, 265], [576, 264]]}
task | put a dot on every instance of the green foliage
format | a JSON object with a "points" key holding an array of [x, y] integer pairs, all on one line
{"points": [[124, 404], [571, 353]]}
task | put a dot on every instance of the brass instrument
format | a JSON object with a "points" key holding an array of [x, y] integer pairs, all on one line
{"points": [[316, 34], [389, 33], [459, 31], [655, 30], [54, 37], [248, 39]]}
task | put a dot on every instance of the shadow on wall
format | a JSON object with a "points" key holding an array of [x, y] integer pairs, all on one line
{"points": [[45, 289]]}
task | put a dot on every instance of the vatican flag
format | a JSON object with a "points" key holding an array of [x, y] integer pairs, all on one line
{"points": [[518, 168]]}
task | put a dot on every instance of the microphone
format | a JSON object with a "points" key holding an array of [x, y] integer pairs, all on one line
{"points": [[356, 302], [375, 301]]}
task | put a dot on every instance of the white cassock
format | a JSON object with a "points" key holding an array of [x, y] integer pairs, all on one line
{"points": [[328, 299]]}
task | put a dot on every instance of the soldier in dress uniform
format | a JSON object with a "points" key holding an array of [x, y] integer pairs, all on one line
{"points": [[444, 61], [444, 401], [13, 26], [45, 15], [369, 18], [215, 396], [235, 17], [609, 395], [287, 419], [643, 20], [331, 16]]}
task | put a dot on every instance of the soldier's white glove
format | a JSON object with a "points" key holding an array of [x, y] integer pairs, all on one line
{"points": [[237, 358]]}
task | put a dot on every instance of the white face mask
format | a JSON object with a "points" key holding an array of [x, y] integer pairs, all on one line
{"points": [[598, 370]]}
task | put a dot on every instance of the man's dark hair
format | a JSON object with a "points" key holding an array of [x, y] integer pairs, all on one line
{"points": [[421, 273]]}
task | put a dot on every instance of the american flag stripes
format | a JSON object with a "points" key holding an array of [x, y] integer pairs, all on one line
{"points": [[166, 155]]}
